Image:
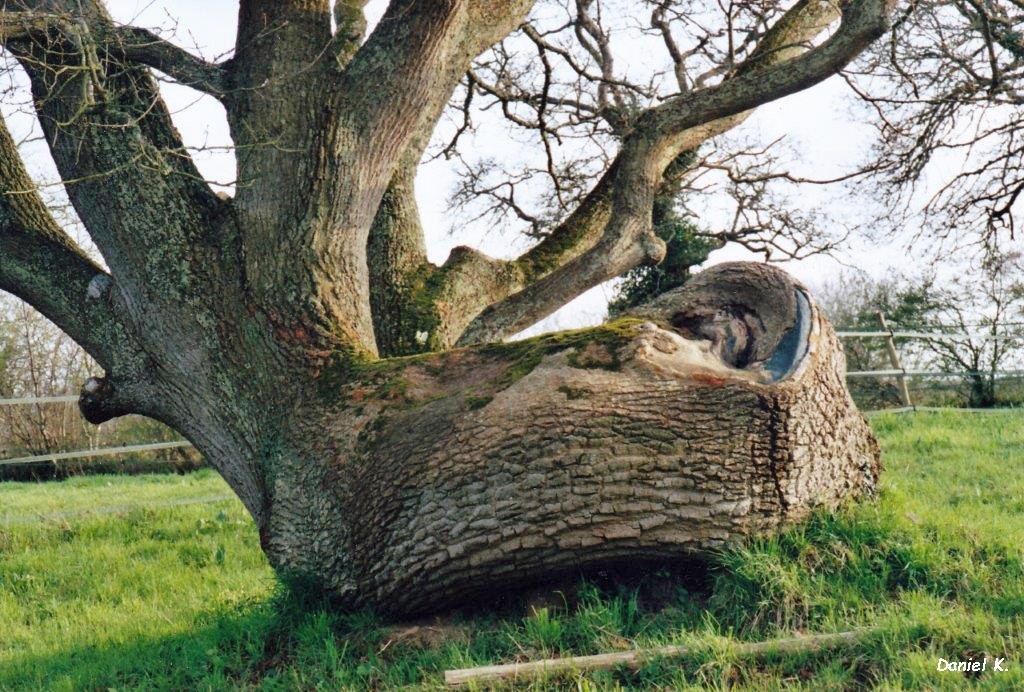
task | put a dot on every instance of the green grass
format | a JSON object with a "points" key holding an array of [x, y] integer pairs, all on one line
{"points": [[178, 596]]}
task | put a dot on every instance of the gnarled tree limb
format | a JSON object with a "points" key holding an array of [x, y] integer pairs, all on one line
{"points": [[660, 135], [470, 281], [40, 264], [417, 53], [400, 275]]}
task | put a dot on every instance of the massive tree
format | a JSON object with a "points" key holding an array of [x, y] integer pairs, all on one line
{"points": [[265, 326]]}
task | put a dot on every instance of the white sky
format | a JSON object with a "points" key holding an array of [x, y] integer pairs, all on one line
{"points": [[819, 125]]}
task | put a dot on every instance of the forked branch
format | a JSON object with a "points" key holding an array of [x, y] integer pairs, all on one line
{"points": [[417, 52], [663, 133]]}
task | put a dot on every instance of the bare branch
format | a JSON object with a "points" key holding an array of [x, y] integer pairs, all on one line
{"points": [[680, 124], [145, 47], [129, 43], [947, 92], [659, 22]]}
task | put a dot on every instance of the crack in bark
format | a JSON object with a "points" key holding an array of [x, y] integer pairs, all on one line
{"points": [[776, 427]]}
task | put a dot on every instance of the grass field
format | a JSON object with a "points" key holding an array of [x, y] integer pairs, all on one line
{"points": [[112, 582]]}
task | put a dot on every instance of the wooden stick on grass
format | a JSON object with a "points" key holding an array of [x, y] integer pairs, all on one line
{"points": [[635, 658]]}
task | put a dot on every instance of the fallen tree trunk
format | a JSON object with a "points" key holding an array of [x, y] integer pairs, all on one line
{"points": [[716, 412], [636, 658]]}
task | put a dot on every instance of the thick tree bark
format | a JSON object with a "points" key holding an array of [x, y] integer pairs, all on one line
{"points": [[719, 411]]}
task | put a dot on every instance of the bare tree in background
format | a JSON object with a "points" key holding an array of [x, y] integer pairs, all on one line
{"points": [[983, 312], [979, 312], [39, 360], [36, 360], [947, 86], [852, 302], [261, 326]]}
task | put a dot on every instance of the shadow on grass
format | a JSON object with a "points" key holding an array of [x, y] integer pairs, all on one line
{"points": [[222, 649], [300, 638]]}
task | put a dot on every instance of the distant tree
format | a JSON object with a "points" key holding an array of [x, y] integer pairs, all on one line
{"points": [[981, 301], [853, 302], [37, 359], [983, 313]]}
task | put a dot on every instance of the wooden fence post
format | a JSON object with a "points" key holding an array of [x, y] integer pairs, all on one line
{"points": [[894, 359]]}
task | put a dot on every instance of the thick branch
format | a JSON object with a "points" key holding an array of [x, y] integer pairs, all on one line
{"points": [[311, 179], [660, 135], [469, 281], [788, 37], [145, 47], [399, 274], [397, 260], [117, 152], [278, 39], [40, 264], [413, 59]]}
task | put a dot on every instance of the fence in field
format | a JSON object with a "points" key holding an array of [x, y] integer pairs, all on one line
{"points": [[889, 335], [54, 457], [902, 374]]}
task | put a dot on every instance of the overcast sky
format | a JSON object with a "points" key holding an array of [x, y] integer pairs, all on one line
{"points": [[820, 126]]}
